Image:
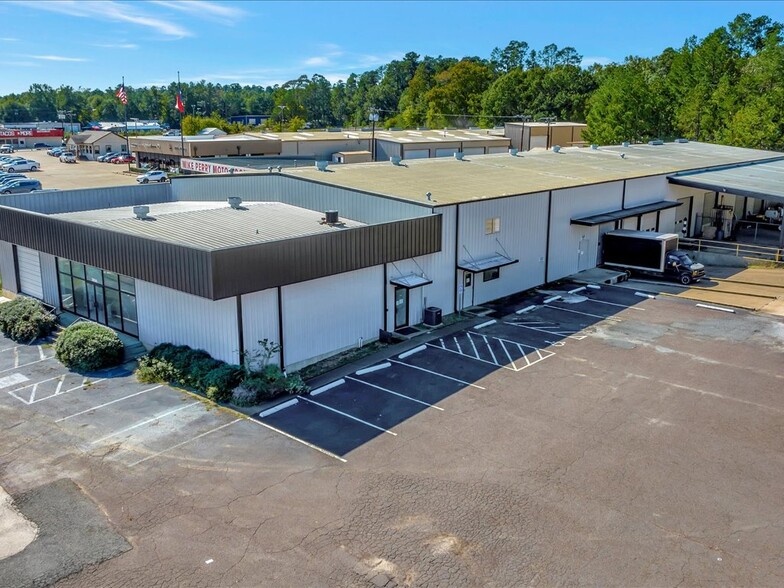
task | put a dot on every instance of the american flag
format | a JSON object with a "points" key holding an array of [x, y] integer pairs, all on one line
{"points": [[122, 95]]}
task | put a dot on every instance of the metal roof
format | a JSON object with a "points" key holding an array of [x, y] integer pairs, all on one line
{"points": [[762, 180], [479, 177], [213, 225], [608, 217]]}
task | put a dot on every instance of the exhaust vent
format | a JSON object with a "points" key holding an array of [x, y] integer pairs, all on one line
{"points": [[556, 148], [141, 212], [394, 160], [594, 146], [235, 202], [322, 165], [656, 142], [459, 155], [331, 217], [513, 152], [625, 143], [681, 140]]}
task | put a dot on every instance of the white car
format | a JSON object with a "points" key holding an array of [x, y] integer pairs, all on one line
{"points": [[21, 165], [152, 176], [68, 157]]}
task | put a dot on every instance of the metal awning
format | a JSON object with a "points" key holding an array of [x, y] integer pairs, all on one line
{"points": [[759, 180], [411, 281], [485, 263], [608, 217]]}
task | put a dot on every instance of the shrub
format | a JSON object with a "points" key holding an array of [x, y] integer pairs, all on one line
{"points": [[243, 396], [294, 384], [261, 387], [24, 320], [87, 347], [223, 380]]}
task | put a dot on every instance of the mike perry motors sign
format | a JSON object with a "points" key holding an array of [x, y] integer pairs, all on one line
{"points": [[29, 133], [206, 167]]}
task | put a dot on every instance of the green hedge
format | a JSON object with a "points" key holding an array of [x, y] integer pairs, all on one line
{"points": [[86, 347], [24, 320]]}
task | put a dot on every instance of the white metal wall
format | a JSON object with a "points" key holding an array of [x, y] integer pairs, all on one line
{"points": [[49, 279], [473, 150], [416, 153], [497, 149], [324, 316], [7, 267], [169, 316], [565, 238], [260, 319], [439, 267], [29, 272], [647, 190], [648, 222], [523, 236]]}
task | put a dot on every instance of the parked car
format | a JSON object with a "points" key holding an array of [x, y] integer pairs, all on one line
{"points": [[55, 151], [107, 157], [20, 187], [152, 176], [10, 158], [21, 165], [124, 158], [6, 148], [11, 178], [68, 157], [40, 146]]}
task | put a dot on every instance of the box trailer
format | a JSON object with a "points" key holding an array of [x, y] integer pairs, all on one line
{"points": [[650, 253]]}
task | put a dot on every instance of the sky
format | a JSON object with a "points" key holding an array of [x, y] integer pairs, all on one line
{"points": [[93, 44]]}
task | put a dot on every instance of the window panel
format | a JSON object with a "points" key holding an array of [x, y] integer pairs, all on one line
{"points": [[64, 265], [80, 296], [491, 274], [66, 292], [110, 280], [127, 284], [129, 314], [94, 275], [77, 270], [113, 312]]}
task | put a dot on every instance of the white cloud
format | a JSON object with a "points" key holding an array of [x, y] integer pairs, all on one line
{"points": [[317, 61], [8, 39], [57, 58], [203, 9], [111, 11], [116, 45], [589, 61]]}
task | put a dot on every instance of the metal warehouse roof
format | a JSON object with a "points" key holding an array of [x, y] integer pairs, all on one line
{"points": [[481, 177], [213, 225], [762, 180]]}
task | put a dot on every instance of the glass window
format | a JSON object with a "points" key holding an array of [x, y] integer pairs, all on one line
{"points": [[491, 274], [77, 270], [64, 265], [492, 225], [94, 274], [66, 292], [129, 314], [110, 280], [80, 296], [127, 285], [113, 312]]}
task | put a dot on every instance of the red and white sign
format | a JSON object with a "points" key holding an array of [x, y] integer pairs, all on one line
{"points": [[206, 167], [34, 133]]}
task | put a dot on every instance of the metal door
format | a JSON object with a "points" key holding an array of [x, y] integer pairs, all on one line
{"points": [[582, 254], [401, 307], [96, 308]]}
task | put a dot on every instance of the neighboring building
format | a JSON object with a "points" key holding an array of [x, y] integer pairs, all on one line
{"points": [[539, 135], [26, 138], [250, 119], [91, 144], [445, 233], [213, 131], [425, 144], [352, 157]]}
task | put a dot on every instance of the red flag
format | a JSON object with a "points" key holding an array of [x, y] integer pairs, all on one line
{"points": [[180, 104], [122, 95]]}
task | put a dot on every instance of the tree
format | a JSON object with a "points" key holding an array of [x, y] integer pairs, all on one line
{"points": [[510, 57], [456, 98]]}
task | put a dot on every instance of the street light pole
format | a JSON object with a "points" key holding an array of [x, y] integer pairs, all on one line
{"points": [[282, 108], [374, 119], [548, 120], [525, 118]]}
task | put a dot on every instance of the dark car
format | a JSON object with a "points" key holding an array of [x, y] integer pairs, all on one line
{"points": [[40, 146], [21, 186]]}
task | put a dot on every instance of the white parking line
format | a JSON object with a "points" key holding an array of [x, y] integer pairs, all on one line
{"points": [[395, 393], [549, 330], [599, 316], [490, 349], [297, 439], [416, 367], [41, 353], [107, 404], [9, 348], [615, 304], [16, 361], [345, 414], [173, 447], [147, 422]]}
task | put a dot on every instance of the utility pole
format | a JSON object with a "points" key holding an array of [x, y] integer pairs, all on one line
{"points": [[549, 120], [374, 119]]}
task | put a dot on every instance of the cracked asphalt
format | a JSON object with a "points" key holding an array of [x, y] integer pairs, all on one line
{"points": [[649, 453]]}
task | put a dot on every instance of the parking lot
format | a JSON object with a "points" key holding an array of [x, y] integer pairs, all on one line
{"points": [[598, 437]]}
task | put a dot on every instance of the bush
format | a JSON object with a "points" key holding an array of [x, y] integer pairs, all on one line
{"points": [[24, 320], [267, 385], [243, 396], [87, 347]]}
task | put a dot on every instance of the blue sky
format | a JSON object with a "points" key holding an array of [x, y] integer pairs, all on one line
{"points": [[92, 44]]}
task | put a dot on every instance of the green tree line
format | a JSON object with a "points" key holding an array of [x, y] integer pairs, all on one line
{"points": [[726, 87]]}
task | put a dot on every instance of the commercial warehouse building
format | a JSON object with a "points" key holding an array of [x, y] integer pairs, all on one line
{"points": [[282, 265]]}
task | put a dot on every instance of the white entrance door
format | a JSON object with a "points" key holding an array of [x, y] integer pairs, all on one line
{"points": [[29, 272]]}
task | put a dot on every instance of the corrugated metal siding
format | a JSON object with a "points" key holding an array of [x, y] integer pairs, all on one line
{"points": [[667, 218], [260, 319], [523, 236], [58, 201], [297, 192], [250, 269], [153, 261], [565, 237], [648, 222], [439, 267], [328, 315], [29, 272], [7, 267], [49, 279], [168, 316], [646, 190]]}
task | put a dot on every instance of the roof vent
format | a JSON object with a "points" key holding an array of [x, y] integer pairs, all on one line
{"points": [[395, 160], [594, 146], [513, 152], [235, 202], [459, 155], [625, 143], [322, 165], [429, 196], [141, 212], [331, 217], [556, 148], [681, 140], [656, 142]]}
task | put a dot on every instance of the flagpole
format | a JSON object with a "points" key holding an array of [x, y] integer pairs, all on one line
{"points": [[127, 141], [182, 131]]}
